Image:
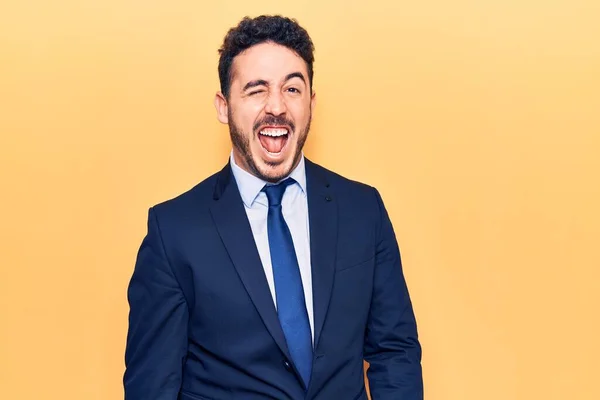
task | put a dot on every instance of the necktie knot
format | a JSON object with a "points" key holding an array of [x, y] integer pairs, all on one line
{"points": [[275, 192]]}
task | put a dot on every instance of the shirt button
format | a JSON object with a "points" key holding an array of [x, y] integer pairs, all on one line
{"points": [[287, 365]]}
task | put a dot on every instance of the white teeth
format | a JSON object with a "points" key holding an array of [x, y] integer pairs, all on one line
{"points": [[274, 132]]}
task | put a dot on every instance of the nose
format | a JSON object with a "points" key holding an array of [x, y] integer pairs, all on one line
{"points": [[275, 104]]}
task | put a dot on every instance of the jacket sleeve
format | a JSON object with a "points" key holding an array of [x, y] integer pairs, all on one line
{"points": [[158, 321], [392, 346]]}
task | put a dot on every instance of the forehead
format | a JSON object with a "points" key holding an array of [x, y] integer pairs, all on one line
{"points": [[268, 61]]}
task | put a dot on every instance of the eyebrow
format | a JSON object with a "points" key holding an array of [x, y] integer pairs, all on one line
{"points": [[262, 82], [295, 75], [255, 83]]}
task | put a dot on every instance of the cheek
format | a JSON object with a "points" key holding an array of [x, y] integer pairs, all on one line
{"points": [[301, 115], [244, 119], [250, 115], [300, 109]]}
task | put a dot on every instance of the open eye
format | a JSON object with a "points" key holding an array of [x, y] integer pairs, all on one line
{"points": [[293, 90]]}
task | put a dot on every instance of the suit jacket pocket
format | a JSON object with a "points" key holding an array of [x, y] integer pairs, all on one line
{"points": [[348, 264], [190, 396]]}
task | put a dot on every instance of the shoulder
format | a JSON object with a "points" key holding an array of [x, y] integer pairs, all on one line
{"points": [[190, 201], [340, 184], [360, 206], [355, 198]]}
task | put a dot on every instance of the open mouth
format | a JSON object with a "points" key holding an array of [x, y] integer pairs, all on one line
{"points": [[273, 139]]}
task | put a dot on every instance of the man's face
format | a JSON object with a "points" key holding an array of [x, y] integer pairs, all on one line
{"points": [[268, 110]]}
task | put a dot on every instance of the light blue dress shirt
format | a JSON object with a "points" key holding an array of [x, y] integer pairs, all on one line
{"points": [[295, 212]]}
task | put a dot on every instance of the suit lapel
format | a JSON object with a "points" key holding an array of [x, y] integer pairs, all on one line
{"points": [[323, 214], [234, 228]]}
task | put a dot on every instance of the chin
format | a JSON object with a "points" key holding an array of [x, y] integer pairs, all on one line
{"points": [[276, 173], [273, 169]]}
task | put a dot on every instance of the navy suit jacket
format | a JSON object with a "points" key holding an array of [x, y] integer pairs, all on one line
{"points": [[202, 322]]}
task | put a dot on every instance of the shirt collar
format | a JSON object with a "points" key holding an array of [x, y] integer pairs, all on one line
{"points": [[250, 186]]}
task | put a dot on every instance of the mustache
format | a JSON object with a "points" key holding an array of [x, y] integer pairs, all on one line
{"points": [[276, 121]]}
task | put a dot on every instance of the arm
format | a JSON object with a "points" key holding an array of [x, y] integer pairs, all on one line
{"points": [[391, 347], [158, 320]]}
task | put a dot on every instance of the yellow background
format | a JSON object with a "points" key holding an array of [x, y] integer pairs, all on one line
{"points": [[479, 121]]}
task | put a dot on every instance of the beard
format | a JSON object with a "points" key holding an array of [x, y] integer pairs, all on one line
{"points": [[241, 142]]}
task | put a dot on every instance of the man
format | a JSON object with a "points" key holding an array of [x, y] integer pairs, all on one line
{"points": [[274, 278]]}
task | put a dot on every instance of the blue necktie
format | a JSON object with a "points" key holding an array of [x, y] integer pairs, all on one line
{"points": [[291, 307]]}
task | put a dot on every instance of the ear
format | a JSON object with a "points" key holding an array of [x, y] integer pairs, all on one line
{"points": [[313, 100], [222, 108]]}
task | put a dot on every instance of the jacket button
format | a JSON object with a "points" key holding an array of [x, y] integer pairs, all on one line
{"points": [[287, 365]]}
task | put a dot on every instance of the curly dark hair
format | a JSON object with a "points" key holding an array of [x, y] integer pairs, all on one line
{"points": [[265, 28]]}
